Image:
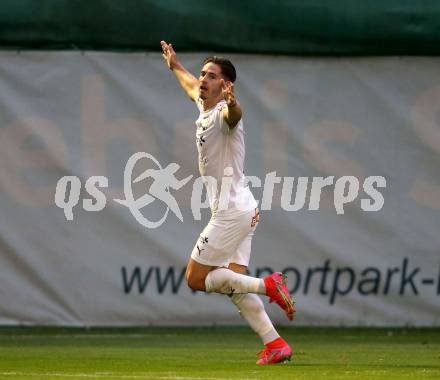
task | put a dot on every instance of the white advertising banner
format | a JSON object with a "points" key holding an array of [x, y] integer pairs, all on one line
{"points": [[343, 155]]}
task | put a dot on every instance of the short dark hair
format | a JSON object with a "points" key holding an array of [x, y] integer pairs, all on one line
{"points": [[226, 66]]}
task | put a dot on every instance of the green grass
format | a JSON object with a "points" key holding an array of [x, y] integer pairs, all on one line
{"points": [[216, 353]]}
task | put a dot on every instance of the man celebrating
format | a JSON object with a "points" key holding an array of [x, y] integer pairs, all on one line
{"points": [[220, 258]]}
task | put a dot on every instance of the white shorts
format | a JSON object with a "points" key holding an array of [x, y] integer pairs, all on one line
{"points": [[227, 239]]}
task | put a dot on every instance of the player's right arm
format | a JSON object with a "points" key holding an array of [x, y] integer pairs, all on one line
{"points": [[188, 81]]}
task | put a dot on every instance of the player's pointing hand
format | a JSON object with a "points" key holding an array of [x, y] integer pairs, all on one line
{"points": [[228, 92], [169, 55]]}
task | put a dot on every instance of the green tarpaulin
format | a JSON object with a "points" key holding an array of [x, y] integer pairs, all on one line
{"points": [[298, 27]]}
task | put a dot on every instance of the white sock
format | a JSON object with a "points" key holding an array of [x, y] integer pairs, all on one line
{"points": [[225, 281], [252, 310]]}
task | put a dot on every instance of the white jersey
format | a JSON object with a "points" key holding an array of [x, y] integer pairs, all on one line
{"points": [[221, 155]]}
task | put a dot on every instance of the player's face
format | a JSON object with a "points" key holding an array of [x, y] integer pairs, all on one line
{"points": [[209, 81]]}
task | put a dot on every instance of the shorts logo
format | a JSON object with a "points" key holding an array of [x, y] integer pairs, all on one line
{"points": [[202, 240]]}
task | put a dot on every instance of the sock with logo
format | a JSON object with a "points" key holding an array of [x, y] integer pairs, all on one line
{"points": [[225, 281]]}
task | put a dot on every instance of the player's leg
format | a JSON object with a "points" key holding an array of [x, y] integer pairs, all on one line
{"points": [[251, 308], [207, 268], [221, 280], [196, 274]]}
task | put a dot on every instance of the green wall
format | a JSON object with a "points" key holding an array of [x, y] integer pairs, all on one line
{"points": [[298, 27]]}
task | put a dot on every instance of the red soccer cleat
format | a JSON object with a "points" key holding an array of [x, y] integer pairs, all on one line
{"points": [[275, 355], [276, 290]]}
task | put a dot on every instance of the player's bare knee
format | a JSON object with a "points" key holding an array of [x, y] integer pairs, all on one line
{"points": [[191, 283], [195, 282]]}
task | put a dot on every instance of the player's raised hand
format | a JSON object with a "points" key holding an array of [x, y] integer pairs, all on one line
{"points": [[228, 92], [169, 55], [188, 82], [232, 113]]}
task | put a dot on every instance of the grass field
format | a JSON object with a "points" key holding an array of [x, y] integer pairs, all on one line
{"points": [[216, 353]]}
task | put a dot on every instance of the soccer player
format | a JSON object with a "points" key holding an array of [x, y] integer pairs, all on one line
{"points": [[219, 260]]}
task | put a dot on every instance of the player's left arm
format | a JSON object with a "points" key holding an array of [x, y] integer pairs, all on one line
{"points": [[232, 113]]}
